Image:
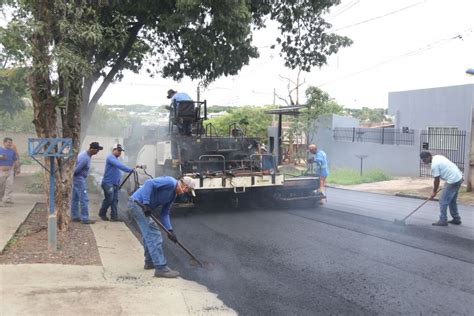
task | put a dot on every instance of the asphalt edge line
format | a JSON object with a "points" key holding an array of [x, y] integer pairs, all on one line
{"points": [[386, 194]]}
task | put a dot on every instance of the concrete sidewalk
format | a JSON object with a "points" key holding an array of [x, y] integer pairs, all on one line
{"points": [[119, 286], [13, 216]]}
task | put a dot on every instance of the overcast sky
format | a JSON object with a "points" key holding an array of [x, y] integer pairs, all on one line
{"points": [[398, 45]]}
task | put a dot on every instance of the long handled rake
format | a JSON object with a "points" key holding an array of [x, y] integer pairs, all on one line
{"points": [[402, 221], [157, 221]]}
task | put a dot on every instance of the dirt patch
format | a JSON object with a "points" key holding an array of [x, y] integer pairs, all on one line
{"points": [[419, 187], [76, 246]]}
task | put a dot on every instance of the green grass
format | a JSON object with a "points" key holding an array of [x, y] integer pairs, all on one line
{"points": [[26, 160], [36, 186], [351, 176]]}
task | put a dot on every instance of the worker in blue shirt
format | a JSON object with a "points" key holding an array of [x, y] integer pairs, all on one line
{"points": [[111, 182], [176, 97], [8, 167], [79, 184], [161, 191], [319, 159]]}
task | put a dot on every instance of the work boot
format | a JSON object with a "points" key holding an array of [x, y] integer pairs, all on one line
{"points": [[77, 220], [455, 221], [89, 221], [116, 219], [9, 202], [440, 223], [104, 218], [166, 272], [148, 266]]}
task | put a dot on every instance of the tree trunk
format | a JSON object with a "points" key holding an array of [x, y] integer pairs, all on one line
{"points": [[45, 109]]}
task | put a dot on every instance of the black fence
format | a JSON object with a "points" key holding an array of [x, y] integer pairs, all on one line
{"points": [[448, 142], [388, 136]]}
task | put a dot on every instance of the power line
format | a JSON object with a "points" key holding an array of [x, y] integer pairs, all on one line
{"points": [[408, 54], [343, 9], [378, 17]]}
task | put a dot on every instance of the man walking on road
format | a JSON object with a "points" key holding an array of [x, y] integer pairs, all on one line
{"points": [[155, 192], [79, 182], [443, 168], [9, 166], [318, 158], [110, 183]]}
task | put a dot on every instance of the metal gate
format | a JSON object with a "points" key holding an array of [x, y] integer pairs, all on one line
{"points": [[449, 142]]}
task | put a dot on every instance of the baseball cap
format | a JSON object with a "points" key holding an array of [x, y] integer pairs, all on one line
{"points": [[189, 182], [425, 155], [95, 145], [119, 147], [170, 93]]}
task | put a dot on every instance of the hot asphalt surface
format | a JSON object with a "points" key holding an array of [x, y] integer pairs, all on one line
{"points": [[328, 260]]}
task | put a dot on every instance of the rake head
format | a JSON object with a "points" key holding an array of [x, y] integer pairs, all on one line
{"points": [[399, 222]]}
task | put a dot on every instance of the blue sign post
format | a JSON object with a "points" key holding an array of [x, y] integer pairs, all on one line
{"points": [[50, 148]]}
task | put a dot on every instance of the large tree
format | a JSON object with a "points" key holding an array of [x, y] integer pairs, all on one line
{"points": [[70, 45]]}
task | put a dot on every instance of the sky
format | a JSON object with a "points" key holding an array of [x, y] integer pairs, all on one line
{"points": [[398, 45]]}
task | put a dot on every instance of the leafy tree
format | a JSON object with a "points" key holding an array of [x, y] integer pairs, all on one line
{"points": [[251, 119], [73, 44], [318, 103], [13, 87], [21, 122]]}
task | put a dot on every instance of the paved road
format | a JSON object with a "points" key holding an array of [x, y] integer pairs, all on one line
{"points": [[329, 260]]}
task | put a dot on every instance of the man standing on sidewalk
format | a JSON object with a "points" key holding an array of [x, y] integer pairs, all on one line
{"points": [[111, 182], [8, 167], [79, 182], [442, 167], [155, 192], [319, 160]]}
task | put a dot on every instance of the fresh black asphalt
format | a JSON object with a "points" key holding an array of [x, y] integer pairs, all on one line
{"points": [[324, 261]]}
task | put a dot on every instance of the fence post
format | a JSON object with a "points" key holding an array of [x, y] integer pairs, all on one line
{"points": [[353, 134], [383, 134]]}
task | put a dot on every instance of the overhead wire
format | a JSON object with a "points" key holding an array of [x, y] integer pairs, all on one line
{"points": [[407, 54], [378, 17]]}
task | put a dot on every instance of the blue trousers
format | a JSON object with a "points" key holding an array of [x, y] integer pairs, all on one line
{"points": [[152, 239], [110, 200], [80, 196], [448, 199]]}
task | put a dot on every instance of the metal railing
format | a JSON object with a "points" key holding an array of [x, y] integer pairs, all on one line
{"points": [[450, 143], [385, 136]]}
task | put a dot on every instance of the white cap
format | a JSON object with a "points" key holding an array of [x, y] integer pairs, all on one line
{"points": [[189, 182]]}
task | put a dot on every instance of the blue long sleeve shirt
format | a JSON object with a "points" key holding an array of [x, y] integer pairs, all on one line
{"points": [[112, 173], [7, 157], [156, 192], [81, 169]]}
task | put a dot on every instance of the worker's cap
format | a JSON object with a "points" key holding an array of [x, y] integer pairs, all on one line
{"points": [[425, 155], [189, 182], [95, 145], [119, 147], [171, 92]]}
